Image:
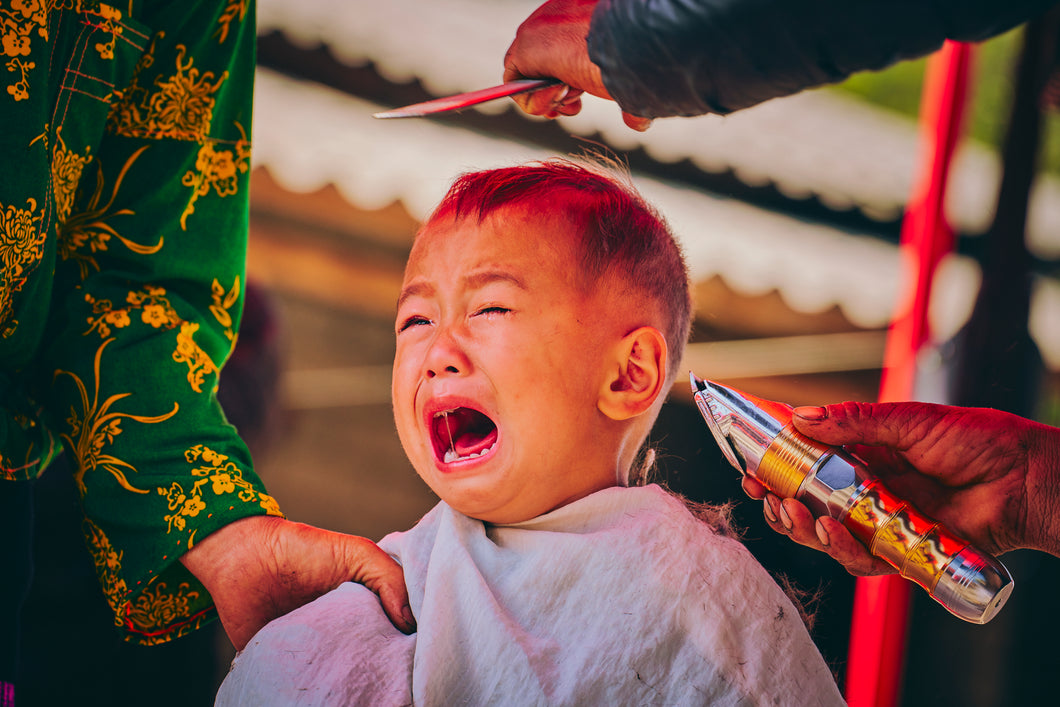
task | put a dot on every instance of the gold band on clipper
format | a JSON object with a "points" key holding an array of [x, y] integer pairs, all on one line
{"points": [[788, 461]]}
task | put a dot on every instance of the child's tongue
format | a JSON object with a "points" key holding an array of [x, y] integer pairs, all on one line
{"points": [[469, 431], [474, 441]]}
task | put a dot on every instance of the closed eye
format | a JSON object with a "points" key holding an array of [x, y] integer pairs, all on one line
{"points": [[492, 310], [415, 320]]}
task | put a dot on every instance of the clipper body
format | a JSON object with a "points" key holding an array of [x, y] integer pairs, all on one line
{"points": [[757, 438]]}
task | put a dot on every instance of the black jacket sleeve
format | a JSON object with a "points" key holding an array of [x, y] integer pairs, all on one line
{"points": [[689, 57]]}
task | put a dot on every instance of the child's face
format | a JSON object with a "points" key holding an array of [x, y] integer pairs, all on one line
{"points": [[492, 330]]}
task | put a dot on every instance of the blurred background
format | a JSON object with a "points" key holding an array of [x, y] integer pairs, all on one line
{"points": [[789, 214]]}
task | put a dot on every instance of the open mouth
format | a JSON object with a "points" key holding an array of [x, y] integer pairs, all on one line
{"points": [[461, 434]]}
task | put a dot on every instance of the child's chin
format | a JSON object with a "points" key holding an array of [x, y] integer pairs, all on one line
{"points": [[480, 503], [498, 517]]}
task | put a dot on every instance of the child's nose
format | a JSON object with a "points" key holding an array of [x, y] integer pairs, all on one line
{"points": [[446, 357]]}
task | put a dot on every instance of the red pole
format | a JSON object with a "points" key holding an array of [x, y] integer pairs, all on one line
{"points": [[881, 604]]}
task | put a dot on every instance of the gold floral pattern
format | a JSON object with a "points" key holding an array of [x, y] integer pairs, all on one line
{"points": [[67, 168], [158, 606], [153, 607], [110, 23], [222, 302], [90, 229], [108, 561], [21, 22], [152, 307], [21, 248], [180, 107], [217, 169], [233, 10], [216, 474], [95, 427], [151, 303], [20, 89], [199, 362]]}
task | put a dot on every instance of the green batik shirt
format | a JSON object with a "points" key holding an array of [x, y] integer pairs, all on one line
{"points": [[125, 135]]}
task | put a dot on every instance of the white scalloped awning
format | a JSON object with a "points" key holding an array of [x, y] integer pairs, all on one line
{"points": [[847, 153], [309, 136]]}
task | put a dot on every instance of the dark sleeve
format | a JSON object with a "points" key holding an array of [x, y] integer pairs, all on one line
{"points": [[690, 57]]}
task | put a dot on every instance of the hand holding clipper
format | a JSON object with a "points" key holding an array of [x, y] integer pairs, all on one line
{"points": [[757, 438]]}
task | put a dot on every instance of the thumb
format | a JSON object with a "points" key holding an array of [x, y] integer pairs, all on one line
{"points": [[850, 423], [543, 101], [636, 122], [371, 566]]}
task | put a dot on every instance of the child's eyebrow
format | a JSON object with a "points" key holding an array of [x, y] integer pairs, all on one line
{"points": [[478, 280], [413, 289], [474, 281]]}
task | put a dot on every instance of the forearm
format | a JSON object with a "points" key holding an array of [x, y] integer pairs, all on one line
{"points": [[232, 562], [716, 56], [241, 566], [230, 555]]}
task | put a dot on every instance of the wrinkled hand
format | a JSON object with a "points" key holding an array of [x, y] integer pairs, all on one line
{"points": [[551, 43], [989, 476], [259, 568]]}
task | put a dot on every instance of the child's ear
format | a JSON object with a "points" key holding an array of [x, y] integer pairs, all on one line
{"points": [[636, 374]]}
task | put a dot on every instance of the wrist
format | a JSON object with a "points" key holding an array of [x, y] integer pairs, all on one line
{"points": [[1043, 490], [224, 554]]}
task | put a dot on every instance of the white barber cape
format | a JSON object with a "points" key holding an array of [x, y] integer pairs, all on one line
{"points": [[620, 598]]}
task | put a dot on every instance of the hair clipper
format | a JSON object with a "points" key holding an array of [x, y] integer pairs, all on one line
{"points": [[757, 438]]}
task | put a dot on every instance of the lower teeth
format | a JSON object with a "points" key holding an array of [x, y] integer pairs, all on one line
{"points": [[451, 455]]}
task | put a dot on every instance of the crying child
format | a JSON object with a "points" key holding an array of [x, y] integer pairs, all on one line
{"points": [[543, 313]]}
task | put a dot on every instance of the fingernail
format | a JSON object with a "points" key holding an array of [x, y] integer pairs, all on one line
{"points": [[406, 613], [559, 98], [769, 512], [822, 534], [811, 412], [784, 517]]}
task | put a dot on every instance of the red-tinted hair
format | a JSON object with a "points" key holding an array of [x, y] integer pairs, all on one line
{"points": [[622, 236]]}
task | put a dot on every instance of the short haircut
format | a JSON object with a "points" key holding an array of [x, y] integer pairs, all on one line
{"points": [[621, 234]]}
